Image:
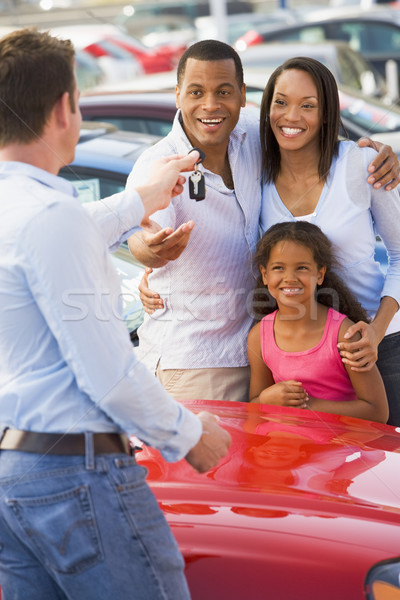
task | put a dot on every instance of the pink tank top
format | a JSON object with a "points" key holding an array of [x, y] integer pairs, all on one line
{"points": [[319, 369]]}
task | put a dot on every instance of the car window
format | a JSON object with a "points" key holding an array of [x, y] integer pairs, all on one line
{"points": [[310, 34], [371, 117], [379, 38], [350, 31], [371, 38], [92, 185], [158, 127], [369, 81], [350, 73]]}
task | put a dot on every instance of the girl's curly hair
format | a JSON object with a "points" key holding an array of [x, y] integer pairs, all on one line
{"points": [[333, 292]]}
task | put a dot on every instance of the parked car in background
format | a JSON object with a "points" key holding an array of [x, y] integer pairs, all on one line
{"points": [[368, 116], [365, 3], [89, 74], [157, 30], [117, 63], [153, 60], [156, 23], [103, 160], [349, 67], [374, 34], [142, 112], [239, 24], [106, 40], [188, 9], [306, 506]]}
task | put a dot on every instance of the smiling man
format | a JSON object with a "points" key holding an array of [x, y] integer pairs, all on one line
{"points": [[196, 343]]}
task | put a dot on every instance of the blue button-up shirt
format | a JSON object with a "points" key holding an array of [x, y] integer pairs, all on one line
{"points": [[66, 360]]}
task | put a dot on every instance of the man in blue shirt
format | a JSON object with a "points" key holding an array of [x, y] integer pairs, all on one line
{"points": [[77, 519]]}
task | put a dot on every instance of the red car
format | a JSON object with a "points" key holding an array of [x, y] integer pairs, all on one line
{"points": [[306, 506], [102, 40], [153, 60]]}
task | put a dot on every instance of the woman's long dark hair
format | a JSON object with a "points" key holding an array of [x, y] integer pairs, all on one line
{"points": [[328, 101], [333, 292]]}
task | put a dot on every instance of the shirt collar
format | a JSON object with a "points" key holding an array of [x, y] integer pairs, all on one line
{"points": [[9, 168]]}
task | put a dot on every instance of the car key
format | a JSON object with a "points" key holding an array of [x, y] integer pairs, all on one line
{"points": [[197, 184]]}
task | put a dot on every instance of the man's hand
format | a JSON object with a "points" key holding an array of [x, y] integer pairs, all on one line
{"points": [[362, 354], [155, 247], [212, 446], [384, 168], [166, 243], [165, 181], [150, 300]]}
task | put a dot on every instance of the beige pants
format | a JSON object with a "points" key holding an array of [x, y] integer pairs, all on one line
{"points": [[207, 384]]}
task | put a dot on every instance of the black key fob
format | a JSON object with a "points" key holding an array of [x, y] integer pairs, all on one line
{"points": [[197, 185]]}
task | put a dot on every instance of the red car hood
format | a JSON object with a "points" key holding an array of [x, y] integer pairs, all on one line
{"points": [[298, 491], [286, 452]]}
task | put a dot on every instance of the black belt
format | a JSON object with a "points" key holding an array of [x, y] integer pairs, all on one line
{"points": [[63, 443]]}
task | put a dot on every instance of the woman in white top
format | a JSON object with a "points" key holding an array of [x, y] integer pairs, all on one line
{"points": [[310, 175]]}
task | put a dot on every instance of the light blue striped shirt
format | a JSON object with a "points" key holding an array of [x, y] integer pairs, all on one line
{"points": [[66, 360], [206, 291]]}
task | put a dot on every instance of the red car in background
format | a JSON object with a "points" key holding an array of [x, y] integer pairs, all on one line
{"points": [[153, 60], [306, 506], [99, 40]]}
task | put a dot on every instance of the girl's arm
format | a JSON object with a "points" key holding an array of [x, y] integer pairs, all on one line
{"points": [[371, 402], [263, 389]]}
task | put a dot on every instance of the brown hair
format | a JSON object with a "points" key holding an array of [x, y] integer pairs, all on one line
{"points": [[333, 292], [36, 69], [328, 99]]}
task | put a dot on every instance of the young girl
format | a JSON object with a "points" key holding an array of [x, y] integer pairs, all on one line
{"points": [[293, 352]]}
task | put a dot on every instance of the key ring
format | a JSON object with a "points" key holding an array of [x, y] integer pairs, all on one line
{"points": [[202, 155]]}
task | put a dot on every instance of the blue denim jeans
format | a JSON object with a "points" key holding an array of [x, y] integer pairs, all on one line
{"points": [[83, 528], [389, 366]]}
